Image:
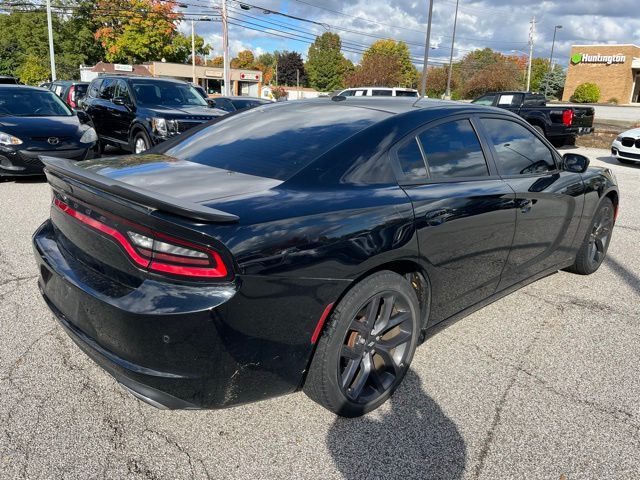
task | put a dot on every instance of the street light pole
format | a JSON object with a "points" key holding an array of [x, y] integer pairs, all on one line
{"points": [[225, 50], [51, 51], [427, 45], [447, 93], [553, 44], [193, 50]]}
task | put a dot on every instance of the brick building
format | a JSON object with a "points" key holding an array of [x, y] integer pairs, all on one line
{"points": [[614, 68]]}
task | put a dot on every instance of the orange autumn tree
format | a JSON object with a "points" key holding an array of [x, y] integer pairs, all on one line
{"points": [[135, 31]]}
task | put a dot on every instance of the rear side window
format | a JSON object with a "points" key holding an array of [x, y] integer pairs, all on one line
{"points": [[275, 141], [411, 159], [453, 151], [382, 93], [519, 152], [94, 88]]}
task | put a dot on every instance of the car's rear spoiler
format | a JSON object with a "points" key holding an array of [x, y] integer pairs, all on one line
{"points": [[146, 198]]}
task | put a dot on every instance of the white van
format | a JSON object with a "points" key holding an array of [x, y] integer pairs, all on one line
{"points": [[379, 92]]}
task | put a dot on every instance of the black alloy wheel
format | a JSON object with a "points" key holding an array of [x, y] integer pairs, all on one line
{"points": [[601, 234], [376, 347], [367, 346], [594, 247]]}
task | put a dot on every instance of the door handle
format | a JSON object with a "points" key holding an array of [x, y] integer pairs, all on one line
{"points": [[525, 205], [437, 217]]}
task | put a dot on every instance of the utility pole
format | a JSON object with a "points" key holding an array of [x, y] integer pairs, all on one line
{"points": [[193, 50], [427, 46], [225, 50], [276, 72], [532, 31], [298, 82], [447, 93], [51, 51], [553, 44]]}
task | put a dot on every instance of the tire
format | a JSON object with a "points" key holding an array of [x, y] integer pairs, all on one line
{"points": [[596, 243], [140, 137], [360, 360]]}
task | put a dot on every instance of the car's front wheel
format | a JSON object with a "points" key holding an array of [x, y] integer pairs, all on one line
{"points": [[141, 142], [367, 347]]}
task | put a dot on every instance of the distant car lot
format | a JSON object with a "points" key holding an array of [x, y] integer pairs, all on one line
{"points": [[551, 391]]}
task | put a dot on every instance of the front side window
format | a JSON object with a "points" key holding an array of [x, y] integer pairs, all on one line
{"points": [[519, 151], [156, 93], [453, 151], [121, 91]]}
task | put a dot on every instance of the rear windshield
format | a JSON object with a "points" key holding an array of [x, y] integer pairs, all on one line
{"points": [[275, 141], [29, 102], [152, 93]]}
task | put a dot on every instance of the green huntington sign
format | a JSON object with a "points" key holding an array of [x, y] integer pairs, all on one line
{"points": [[577, 58]]}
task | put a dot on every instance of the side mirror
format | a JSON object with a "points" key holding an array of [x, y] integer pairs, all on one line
{"points": [[573, 162], [211, 102], [122, 101]]}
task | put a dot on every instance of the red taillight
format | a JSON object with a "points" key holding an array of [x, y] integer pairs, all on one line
{"points": [[70, 100], [567, 118], [155, 251]]}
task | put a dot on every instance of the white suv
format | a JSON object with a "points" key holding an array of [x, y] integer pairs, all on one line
{"points": [[379, 92]]}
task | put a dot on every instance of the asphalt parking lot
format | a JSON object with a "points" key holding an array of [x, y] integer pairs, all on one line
{"points": [[542, 384]]}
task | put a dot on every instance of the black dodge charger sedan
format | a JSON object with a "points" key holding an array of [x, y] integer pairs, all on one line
{"points": [[34, 122], [308, 245]]}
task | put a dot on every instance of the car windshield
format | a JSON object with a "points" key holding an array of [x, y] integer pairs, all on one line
{"points": [[29, 102], [274, 141], [149, 92]]}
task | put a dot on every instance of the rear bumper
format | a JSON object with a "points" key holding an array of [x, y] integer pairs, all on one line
{"points": [[186, 346]]}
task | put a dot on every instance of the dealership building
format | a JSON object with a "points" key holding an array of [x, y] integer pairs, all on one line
{"points": [[614, 68], [243, 82]]}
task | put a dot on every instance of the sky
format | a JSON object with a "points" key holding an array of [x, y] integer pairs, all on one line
{"points": [[502, 25]]}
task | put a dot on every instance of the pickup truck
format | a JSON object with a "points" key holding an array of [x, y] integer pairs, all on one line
{"points": [[559, 124]]}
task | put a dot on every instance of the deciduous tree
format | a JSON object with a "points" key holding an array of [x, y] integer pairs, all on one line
{"points": [[136, 31], [385, 63], [290, 65], [326, 66]]}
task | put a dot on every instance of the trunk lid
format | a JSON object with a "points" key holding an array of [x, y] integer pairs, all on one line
{"points": [[106, 220]]}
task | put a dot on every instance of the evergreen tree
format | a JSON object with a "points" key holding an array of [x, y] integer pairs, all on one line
{"points": [[326, 66]]}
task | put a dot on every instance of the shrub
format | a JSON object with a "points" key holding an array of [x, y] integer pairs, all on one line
{"points": [[278, 92], [586, 93]]}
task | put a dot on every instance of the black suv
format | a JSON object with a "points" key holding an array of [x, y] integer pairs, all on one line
{"points": [[135, 113]]}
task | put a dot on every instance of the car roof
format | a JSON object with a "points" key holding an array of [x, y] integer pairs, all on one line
{"points": [[380, 88]]}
